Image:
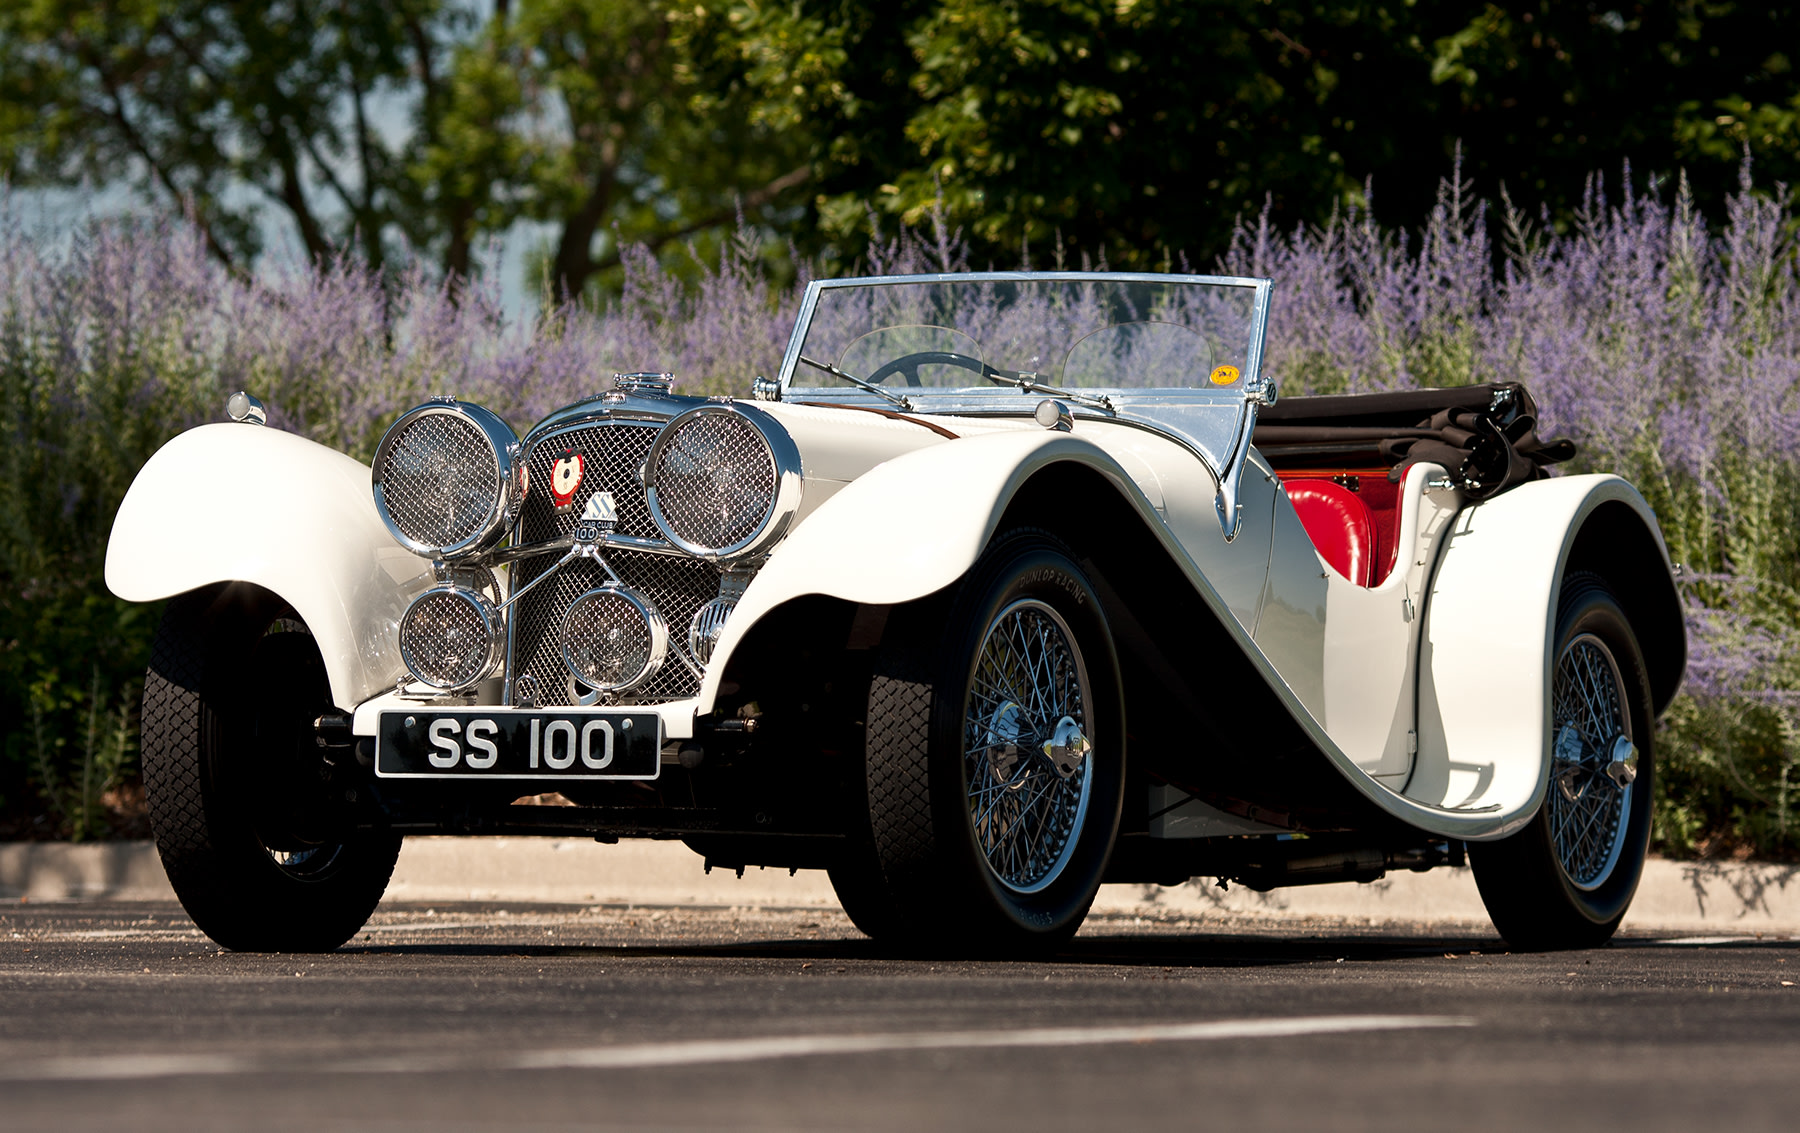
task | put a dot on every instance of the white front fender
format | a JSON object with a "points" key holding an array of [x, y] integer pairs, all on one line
{"points": [[239, 503], [906, 528]]}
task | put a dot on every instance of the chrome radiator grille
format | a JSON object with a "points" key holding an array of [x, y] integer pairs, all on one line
{"points": [[613, 452]]}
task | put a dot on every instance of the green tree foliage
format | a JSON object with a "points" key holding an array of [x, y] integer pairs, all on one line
{"points": [[1543, 93], [1143, 127], [1139, 128], [636, 125], [191, 100], [398, 127]]}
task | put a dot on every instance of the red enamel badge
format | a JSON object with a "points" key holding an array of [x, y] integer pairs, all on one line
{"points": [[565, 479]]}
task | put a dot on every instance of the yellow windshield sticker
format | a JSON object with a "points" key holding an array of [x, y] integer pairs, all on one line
{"points": [[1224, 375]]}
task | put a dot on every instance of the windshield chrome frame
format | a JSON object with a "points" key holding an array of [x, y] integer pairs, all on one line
{"points": [[1160, 409]]}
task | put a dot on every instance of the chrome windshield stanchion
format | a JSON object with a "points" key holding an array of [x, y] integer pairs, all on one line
{"points": [[1258, 392]]}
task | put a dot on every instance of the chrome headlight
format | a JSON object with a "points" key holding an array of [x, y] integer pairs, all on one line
{"points": [[613, 639], [723, 481], [450, 637], [448, 480]]}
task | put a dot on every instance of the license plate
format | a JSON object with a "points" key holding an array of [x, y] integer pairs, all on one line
{"points": [[485, 743]]}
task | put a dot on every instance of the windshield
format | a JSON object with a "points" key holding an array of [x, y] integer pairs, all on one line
{"points": [[1179, 354], [980, 331]]}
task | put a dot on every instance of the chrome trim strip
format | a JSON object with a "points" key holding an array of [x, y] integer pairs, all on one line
{"points": [[809, 302], [1258, 390], [624, 407]]}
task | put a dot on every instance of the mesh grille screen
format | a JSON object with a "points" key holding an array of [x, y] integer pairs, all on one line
{"points": [[445, 641], [440, 479], [715, 480], [613, 452], [609, 640]]}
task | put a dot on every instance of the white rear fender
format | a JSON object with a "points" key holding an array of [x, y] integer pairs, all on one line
{"points": [[238, 503], [1490, 625]]}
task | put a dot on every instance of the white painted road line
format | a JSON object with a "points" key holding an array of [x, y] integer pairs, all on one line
{"points": [[801, 1046], [178, 933], [716, 1051], [1705, 941]]}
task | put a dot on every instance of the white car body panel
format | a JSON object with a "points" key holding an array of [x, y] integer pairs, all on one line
{"points": [[242, 503], [1484, 743], [913, 525], [1372, 635]]}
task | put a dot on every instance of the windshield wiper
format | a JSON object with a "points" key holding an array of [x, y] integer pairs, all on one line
{"points": [[856, 381], [1027, 380]]}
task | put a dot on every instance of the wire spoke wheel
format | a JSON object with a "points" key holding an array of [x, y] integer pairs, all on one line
{"points": [[1029, 691], [1587, 805], [1565, 879], [994, 759]]}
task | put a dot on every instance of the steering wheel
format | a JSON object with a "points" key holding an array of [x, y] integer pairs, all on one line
{"points": [[908, 365]]}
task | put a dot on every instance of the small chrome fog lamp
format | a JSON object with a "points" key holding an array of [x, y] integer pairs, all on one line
{"points": [[613, 639], [707, 626], [450, 637], [709, 620]]}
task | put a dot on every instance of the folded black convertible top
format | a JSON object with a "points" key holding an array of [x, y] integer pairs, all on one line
{"points": [[1486, 435]]}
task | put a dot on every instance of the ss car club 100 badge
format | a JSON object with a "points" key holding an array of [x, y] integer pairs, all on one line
{"points": [[476, 742]]}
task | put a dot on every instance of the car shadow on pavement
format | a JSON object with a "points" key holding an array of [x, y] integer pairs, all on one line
{"points": [[1237, 949], [1201, 951]]}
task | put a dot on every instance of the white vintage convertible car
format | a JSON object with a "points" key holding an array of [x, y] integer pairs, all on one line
{"points": [[1009, 585]]}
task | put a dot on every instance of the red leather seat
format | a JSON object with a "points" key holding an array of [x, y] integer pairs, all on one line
{"points": [[1340, 526]]}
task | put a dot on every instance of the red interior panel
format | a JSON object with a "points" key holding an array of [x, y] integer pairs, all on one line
{"points": [[1378, 495], [1340, 526], [1383, 501]]}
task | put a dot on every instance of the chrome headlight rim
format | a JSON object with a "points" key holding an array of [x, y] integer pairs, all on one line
{"points": [[491, 622], [655, 623], [507, 491], [784, 457]]}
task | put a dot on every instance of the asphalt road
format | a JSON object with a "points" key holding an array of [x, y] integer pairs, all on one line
{"points": [[548, 1017]]}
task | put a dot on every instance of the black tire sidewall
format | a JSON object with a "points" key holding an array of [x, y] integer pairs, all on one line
{"points": [[215, 856], [1029, 566]]}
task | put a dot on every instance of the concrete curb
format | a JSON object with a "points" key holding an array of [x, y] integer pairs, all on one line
{"points": [[1723, 897]]}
